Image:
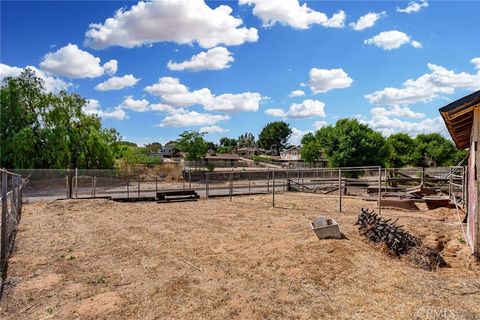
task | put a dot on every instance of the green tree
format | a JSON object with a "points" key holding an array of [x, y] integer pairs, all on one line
{"points": [[193, 144], [46, 130], [153, 147], [246, 140], [228, 142], [433, 150], [351, 143], [274, 135], [400, 150], [311, 151], [309, 137]]}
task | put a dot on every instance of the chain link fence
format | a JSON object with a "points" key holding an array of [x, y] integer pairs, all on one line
{"points": [[12, 187]]}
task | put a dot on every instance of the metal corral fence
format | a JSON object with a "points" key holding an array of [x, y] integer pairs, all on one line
{"points": [[138, 182], [12, 186]]}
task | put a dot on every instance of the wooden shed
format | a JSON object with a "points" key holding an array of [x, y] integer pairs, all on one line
{"points": [[462, 118]]}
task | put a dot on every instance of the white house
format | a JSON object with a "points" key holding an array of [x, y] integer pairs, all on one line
{"points": [[290, 154]]}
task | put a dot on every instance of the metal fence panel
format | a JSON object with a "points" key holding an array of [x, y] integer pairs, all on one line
{"points": [[12, 186]]}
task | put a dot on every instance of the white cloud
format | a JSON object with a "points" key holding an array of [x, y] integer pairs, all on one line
{"points": [[212, 129], [192, 118], [319, 124], [323, 80], [367, 21], [72, 62], [296, 93], [165, 108], [388, 125], [440, 81], [242, 102], [397, 111], [336, 21], [111, 67], [394, 39], [291, 13], [176, 94], [180, 21], [414, 6], [117, 83], [51, 84], [214, 59], [476, 62], [297, 135], [306, 109], [276, 112], [135, 105], [93, 107]]}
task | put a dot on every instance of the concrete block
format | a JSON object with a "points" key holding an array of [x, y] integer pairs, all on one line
{"points": [[326, 228]]}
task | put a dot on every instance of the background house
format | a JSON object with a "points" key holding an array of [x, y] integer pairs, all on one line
{"points": [[228, 160], [249, 151], [168, 150], [462, 118], [291, 154]]}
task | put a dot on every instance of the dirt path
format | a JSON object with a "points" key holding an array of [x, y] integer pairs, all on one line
{"points": [[215, 259]]}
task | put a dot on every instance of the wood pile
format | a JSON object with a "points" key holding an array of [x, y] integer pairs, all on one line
{"points": [[397, 241]]}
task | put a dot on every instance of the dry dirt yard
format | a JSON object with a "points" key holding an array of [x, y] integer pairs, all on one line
{"points": [[216, 259]]}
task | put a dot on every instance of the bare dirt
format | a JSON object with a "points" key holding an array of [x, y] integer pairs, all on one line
{"points": [[216, 259]]}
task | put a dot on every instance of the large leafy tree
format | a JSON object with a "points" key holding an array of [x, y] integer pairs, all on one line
{"points": [[400, 150], [246, 140], [193, 144], [274, 135], [153, 147], [46, 130], [227, 145], [434, 150], [351, 143], [311, 151]]}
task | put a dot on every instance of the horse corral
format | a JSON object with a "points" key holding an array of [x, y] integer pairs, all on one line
{"points": [[223, 259], [237, 253]]}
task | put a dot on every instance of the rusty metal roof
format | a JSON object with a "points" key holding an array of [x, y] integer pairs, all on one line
{"points": [[458, 117]]}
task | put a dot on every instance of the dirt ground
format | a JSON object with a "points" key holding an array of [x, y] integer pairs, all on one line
{"points": [[216, 259]]}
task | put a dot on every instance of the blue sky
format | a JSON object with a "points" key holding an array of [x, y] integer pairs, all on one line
{"points": [[235, 64]]}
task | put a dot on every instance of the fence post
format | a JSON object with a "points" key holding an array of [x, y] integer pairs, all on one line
{"points": [[128, 189], [340, 189], [94, 184], [379, 190], [268, 180], [273, 189], [190, 180], [249, 182], [207, 187], [4, 237], [231, 185], [76, 182], [303, 186], [138, 187], [156, 185]]}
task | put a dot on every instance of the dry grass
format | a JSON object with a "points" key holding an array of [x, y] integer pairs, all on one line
{"points": [[216, 259]]}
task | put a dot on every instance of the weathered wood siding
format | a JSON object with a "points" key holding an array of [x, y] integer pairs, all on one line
{"points": [[473, 225]]}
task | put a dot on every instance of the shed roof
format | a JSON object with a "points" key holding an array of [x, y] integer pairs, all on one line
{"points": [[458, 117], [222, 156]]}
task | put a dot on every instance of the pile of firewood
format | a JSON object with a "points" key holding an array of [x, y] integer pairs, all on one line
{"points": [[397, 241]]}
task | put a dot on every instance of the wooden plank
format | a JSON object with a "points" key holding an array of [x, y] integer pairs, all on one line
{"points": [[476, 138]]}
